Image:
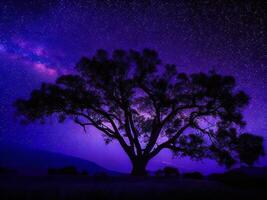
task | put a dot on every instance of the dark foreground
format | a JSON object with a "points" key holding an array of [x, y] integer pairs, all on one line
{"points": [[67, 187]]}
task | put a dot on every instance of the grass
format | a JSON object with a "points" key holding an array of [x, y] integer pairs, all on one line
{"points": [[78, 187]]}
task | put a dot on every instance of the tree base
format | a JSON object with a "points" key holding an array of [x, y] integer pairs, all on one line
{"points": [[139, 173], [139, 169]]}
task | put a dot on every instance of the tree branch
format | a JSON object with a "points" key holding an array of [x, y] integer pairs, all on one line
{"points": [[135, 133], [170, 141], [158, 127]]}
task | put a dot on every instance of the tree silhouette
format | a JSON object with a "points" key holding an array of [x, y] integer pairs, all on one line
{"points": [[147, 106]]}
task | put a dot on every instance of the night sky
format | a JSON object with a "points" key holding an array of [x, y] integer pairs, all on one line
{"points": [[41, 39]]}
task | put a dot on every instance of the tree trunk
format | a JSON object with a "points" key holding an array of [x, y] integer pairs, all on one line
{"points": [[139, 167]]}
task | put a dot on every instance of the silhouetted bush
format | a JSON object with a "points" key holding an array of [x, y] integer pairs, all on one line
{"points": [[159, 173], [215, 176], [101, 176], [238, 178], [5, 171], [84, 173], [235, 176], [171, 171], [230, 177], [63, 171], [193, 175]]}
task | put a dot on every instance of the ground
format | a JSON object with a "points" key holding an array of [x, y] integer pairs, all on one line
{"points": [[67, 187]]}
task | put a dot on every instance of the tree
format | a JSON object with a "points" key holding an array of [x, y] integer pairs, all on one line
{"points": [[147, 106]]}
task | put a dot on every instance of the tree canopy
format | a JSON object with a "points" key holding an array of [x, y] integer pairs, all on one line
{"points": [[148, 106]]}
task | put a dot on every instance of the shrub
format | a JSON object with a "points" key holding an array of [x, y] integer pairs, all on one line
{"points": [[5, 171], [101, 176], [63, 171], [84, 173], [159, 173], [193, 175], [171, 171]]}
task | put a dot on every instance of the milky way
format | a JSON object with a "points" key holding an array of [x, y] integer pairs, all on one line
{"points": [[42, 39]]}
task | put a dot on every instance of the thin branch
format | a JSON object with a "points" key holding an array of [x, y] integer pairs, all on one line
{"points": [[83, 125]]}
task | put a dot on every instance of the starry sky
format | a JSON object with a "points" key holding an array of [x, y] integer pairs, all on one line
{"points": [[42, 39]]}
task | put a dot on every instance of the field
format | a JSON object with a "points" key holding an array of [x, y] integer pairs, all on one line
{"points": [[73, 187]]}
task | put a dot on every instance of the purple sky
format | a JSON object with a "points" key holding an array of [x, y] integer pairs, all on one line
{"points": [[42, 39]]}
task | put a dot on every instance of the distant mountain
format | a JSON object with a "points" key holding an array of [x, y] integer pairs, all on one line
{"points": [[27, 161]]}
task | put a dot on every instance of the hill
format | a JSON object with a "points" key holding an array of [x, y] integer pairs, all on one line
{"points": [[26, 161]]}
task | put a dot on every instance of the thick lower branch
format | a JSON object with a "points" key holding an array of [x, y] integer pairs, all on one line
{"points": [[135, 133]]}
